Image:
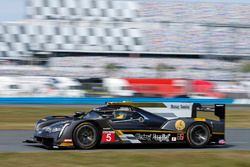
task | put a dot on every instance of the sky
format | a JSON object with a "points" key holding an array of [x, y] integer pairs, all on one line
{"points": [[12, 10]]}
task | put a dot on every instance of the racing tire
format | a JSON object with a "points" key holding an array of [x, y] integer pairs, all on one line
{"points": [[198, 135], [86, 136]]}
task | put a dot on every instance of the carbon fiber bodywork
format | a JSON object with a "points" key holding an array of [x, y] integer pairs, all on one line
{"points": [[135, 126]]}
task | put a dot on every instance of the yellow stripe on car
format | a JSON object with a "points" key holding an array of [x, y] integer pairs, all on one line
{"points": [[200, 119], [218, 133], [126, 103], [119, 132], [149, 131], [66, 144]]}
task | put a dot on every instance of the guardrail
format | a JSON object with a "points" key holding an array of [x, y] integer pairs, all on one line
{"points": [[92, 100]]}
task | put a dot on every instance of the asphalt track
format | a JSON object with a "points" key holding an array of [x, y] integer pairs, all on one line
{"points": [[11, 141]]}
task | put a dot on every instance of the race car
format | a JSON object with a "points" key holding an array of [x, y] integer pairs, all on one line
{"points": [[133, 123]]}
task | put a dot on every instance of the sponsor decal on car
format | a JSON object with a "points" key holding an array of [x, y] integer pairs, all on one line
{"points": [[179, 106], [108, 136], [173, 139], [180, 137], [153, 137], [180, 125], [67, 143]]}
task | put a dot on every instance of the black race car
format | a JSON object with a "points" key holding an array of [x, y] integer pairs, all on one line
{"points": [[134, 123]]}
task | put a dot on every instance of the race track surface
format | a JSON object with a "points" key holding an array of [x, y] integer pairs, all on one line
{"points": [[11, 141]]}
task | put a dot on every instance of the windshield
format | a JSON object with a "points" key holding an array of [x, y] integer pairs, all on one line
{"points": [[93, 114]]}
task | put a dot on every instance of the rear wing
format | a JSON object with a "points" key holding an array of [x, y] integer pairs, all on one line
{"points": [[218, 110]]}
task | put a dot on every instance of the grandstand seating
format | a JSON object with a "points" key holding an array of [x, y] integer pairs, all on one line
{"points": [[161, 26]]}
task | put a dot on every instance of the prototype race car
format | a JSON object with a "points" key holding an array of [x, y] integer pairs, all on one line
{"points": [[134, 123]]}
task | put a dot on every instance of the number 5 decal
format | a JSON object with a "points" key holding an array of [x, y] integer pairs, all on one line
{"points": [[108, 136]]}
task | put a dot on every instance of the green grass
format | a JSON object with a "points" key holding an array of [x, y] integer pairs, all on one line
{"points": [[140, 158], [238, 118], [21, 118]]}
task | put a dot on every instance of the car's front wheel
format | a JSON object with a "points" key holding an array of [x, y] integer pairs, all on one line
{"points": [[86, 136], [198, 135]]}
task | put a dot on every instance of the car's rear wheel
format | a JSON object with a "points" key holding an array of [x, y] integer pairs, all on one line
{"points": [[198, 135], [86, 136]]}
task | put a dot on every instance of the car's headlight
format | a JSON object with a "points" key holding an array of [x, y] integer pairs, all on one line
{"points": [[58, 127], [47, 129]]}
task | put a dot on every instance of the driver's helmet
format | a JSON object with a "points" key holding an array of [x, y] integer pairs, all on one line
{"points": [[120, 115]]}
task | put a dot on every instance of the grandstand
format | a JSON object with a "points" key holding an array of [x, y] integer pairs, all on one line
{"points": [[130, 38], [59, 27]]}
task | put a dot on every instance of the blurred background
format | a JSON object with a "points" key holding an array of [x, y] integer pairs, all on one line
{"points": [[125, 48]]}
